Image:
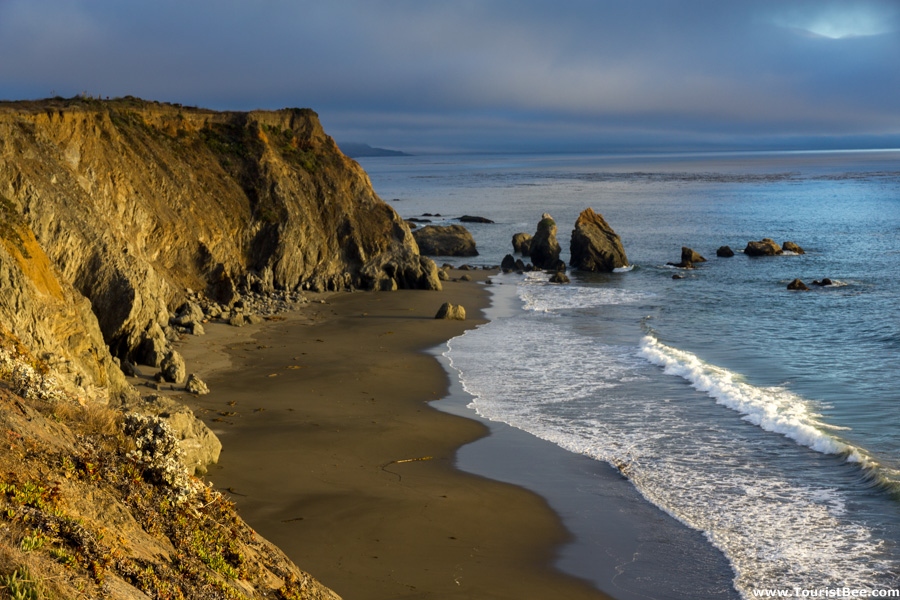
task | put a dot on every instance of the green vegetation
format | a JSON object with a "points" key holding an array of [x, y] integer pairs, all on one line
{"points": [[22, 586]]}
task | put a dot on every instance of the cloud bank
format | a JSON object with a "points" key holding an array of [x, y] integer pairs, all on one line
{"points": [[488, 74]]}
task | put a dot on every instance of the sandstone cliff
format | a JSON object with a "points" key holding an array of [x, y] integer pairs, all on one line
{"points": [[135, 202]]}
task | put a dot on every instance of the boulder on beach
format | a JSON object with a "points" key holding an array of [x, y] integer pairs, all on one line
{"points": [[559, 277], [172, 366], [449, 240], [194, 385], [508, 263], [521, 243], [544, 251], [595, 246], [792, 247], [764, 247], [451, 311], [725, 252], [797, 285]]}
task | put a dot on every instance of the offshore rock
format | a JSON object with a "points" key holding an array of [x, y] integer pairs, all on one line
{"points": [[764, 247], [474, 219], [792, 247], [724, 252], [559, 277], [135, 201], [449, 240], [595, 246], [688, 258], [544, 250], [797, 285], [521, 243]]}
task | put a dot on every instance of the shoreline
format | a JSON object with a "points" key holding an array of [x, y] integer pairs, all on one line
{"points": [[332, 452]]}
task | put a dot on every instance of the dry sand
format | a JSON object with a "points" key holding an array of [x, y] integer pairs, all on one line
{"points": [[332, 452]]}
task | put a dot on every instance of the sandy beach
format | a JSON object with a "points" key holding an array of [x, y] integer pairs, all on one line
{"points": [[332, 452]]}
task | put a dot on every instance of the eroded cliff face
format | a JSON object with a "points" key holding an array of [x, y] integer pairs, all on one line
{"points": [[46, 314], [134, 202]]}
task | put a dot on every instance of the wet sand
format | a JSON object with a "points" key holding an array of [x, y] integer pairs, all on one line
{"points": [[332, 452]]}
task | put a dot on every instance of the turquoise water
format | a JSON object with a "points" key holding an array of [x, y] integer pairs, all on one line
{"points": [[769, 420]]}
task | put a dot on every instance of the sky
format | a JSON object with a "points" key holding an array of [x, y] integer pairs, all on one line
{"points": [[487, 75]]}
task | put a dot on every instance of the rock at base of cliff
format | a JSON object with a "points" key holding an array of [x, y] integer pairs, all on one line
{"points": [[450, 240], [173, 369], [200, 446], [544, 250], [764, 247], [521, 243], [595, 246], [195, 385], [451, 311], [724, 252]]}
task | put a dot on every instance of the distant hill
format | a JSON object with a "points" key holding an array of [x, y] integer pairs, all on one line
{"points": [[357, 150]]}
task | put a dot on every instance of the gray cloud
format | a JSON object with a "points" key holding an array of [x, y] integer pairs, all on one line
{"points": [[489, 73]]}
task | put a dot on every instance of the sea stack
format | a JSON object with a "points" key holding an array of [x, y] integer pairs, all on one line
{"points": [[595, 246], [545, 249]]}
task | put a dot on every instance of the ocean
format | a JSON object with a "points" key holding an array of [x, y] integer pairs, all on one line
{"points": [[767, 420]]}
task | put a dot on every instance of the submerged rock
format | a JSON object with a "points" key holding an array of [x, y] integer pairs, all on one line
{"points": [[474, 219], [595, 246]]}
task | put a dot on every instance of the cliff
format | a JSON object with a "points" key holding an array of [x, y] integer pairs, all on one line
{"points": [[112, 216], [136, 202]]}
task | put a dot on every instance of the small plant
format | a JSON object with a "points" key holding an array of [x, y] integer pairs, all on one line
{"points": [[22, 586], [63, 557], [35, 541]]}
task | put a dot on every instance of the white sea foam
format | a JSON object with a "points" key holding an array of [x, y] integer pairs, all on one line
{"points": [[773, 409], [539, 295], [535, 373]]}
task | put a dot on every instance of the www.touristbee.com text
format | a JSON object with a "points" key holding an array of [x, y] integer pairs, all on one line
{"points": [[825, 593]]}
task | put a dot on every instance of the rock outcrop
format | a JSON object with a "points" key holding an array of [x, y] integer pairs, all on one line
{"points": [[449, 240], [595, 246], [764, 247], [544, 249], [521, 244], [136, 201]]}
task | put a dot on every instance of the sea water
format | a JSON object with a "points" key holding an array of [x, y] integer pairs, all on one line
{"points": [[768, 420]]}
